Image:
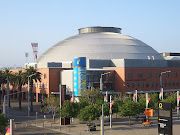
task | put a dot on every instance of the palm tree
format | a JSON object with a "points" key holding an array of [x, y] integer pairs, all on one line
{"points": [[8, 75], [2, 81], [20, 80], [36, 77]]}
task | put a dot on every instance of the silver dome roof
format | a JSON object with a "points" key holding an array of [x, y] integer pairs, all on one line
{"points": [[99, 43]]}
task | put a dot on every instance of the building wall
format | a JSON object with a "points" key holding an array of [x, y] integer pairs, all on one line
{"points": [[130, 79], [119, 79]]}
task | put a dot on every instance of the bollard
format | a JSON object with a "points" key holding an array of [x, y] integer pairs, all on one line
{"points": [[43, 124], [51, 125], [59, 128], [11, 126]]}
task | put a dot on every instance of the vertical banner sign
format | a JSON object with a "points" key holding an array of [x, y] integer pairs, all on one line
{"points": [[79, 75], [134, 97], [147, 100], [111, 104], [178, 98], [160, 95], [165, 118], [105, 98]]}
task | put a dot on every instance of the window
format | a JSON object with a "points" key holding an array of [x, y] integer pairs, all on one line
{"points": [[46, 85], [140, 75], [173, 83], [127, 85], [130, 75], [167, 74], [147, 84], [45, 76], [137, 84], [165, 84], [152, 84], [142, 86], [169, 84], [133, 85], [177, 83], [175, 74], [156, 84], [149, 75]]}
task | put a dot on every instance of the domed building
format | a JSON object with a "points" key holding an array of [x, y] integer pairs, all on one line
{"points": [[100, 43], [114, 61]]}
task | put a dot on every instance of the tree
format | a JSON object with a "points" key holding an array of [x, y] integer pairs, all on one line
{"points": [[129, 108], [19, 80], [3, 123], [8, 76], [51, 104], [36, 77], [89, 113], [171, 99], [154, 99], [91, 96], [69, 110], [2, 81]]}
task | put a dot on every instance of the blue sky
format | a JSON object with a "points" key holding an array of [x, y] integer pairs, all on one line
{"points": [[155, 22]]}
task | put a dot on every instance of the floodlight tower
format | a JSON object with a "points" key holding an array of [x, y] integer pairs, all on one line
{"points": [[26, 55], [35, 50]]}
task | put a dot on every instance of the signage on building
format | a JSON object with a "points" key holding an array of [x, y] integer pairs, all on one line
{"points": [[165, 118], [79, 75], [79, 62]]}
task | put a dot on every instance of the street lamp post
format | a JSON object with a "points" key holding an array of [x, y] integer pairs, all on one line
{"points": [[101, 81], [161, 81], [29, 94]]}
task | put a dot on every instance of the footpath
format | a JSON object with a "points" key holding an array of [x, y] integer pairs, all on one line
{"points": [[38, 124]]}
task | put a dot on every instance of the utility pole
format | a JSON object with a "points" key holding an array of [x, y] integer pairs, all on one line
{"points": [[102, 120], [60, 103]]}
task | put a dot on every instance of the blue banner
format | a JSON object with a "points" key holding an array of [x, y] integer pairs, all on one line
{"points": [[79, 77], [75, 81]]}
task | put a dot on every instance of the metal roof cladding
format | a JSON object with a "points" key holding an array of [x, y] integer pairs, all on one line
{"points": [[99, 42]]}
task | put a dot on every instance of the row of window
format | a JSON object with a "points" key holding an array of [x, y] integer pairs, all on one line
{"points": [[39, 85], [149, 74], [152, 84]]}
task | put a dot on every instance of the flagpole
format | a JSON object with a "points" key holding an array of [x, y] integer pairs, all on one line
{"points": [[110, 112], [136, 95], [146, 100], [178, 104]]}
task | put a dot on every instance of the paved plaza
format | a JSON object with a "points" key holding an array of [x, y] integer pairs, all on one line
{"points": [[25, 125]]}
